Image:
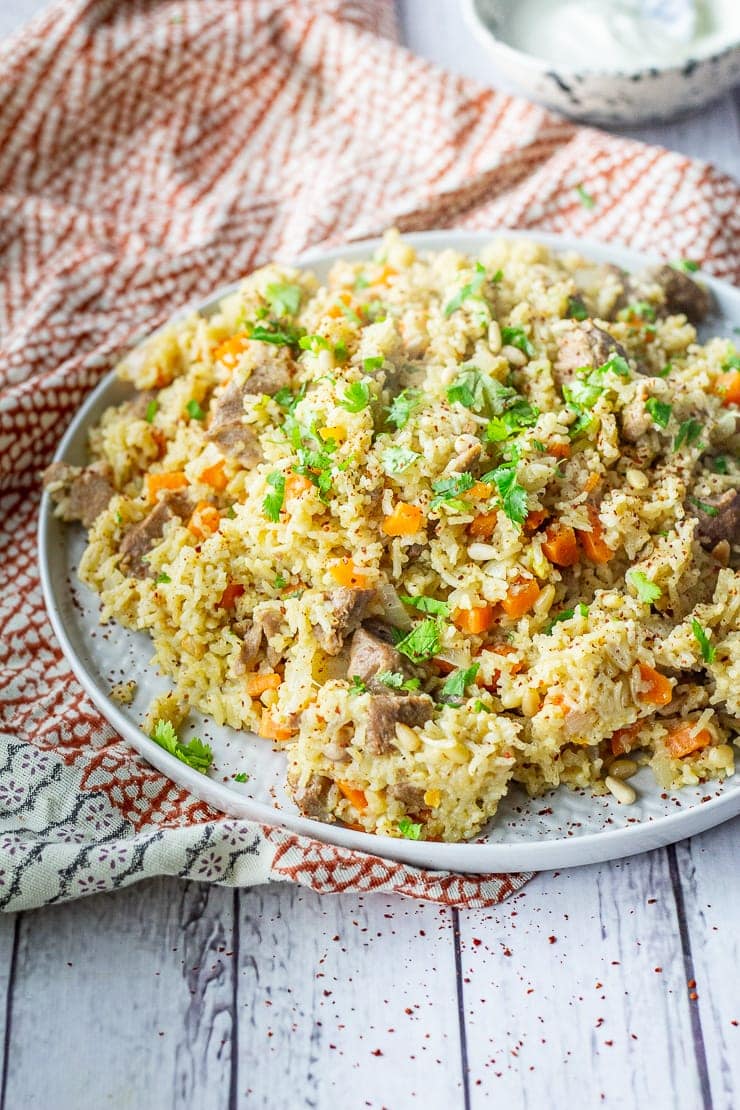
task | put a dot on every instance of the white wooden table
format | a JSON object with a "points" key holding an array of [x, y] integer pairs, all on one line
{"points": [[577, 992]]}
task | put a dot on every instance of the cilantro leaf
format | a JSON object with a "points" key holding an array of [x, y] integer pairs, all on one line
{"points": [[447, 490], [520, 415], [370, 364], [317, 467], [686, 265], [582, 394], [409, 829], [479, 393], [688, 433], [481, 707], [357, 686], [565, 615], [517, 337], [402, 406], [196, 754], [273, 501], [643, 309], [705, 506], [280, 581], [278, 337], [422, 642], [617, 364], [513, 495], [472, 289], [241, 776], [195, 411], [356, 397], [284, 299], [162, 579], [708, 651], [394, 680], [576, 309], [151, 411], [659, 410], [313, 343], [585, 197], [719, 464], [456, 684], [646, 590], [427, 605], [361, 282], [397, 459]]}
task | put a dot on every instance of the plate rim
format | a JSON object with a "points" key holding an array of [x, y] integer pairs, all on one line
{"points": [[468, 856]]}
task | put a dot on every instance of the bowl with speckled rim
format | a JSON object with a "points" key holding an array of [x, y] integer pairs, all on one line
{"points": [[606, 96], [564, 828]]}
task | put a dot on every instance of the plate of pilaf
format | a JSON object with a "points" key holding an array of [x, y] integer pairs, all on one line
{"points": [[426, 546]]}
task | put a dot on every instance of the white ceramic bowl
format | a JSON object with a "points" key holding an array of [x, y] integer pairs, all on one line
{"points": [[605, 94]]}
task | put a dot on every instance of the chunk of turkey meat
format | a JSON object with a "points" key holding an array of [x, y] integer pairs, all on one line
{"points": [[583, 344], [341, 611], [724, 525], [682, 294], [82, 493], [371, 655], [228, 430], [142, 537], [385, 711]]}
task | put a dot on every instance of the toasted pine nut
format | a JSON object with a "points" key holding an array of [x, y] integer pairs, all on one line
{"points": [[544, 601], [482, 552], [636, 478], [622, 791], [494, 337], [407, 737], [514, 356], [623, 768], [530, 702]]}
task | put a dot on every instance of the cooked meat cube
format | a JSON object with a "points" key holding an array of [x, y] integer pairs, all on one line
{"points": [[81, 493], [343, 610], [583, 344], [251, 637], [465, 459], [369, 655], [682, 293], [385, 711], [412, 797], [311, 799], [273, 370], [636, 421], [725, 525], [228, 430], [140, 539]]}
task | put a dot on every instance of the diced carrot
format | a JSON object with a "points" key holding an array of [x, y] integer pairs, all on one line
{"points": [[559, 450], [405, 520], [657, 689], [727, 386], [296, 484], [683, 739], [515, 668], [204, 520], [353, 795], [484, 525], [560, 546], [346, 574], [173, 479], [214, 475], [521, 597], [161, 441], [336, 309], [258, 683], [386, 273], [534, 520], [624, 739], [270, 729], [475, 621], [479, 491], [595, 549], [336, 432], [230, 594], [228, 352]]}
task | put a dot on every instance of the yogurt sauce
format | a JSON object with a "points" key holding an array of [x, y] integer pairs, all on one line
{"points": [[619, 34]]}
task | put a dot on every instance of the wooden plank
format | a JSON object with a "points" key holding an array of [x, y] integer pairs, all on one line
{"points": [[579, 982], [346, 1000], [707, 871], [124, 1000], [9, 925]]}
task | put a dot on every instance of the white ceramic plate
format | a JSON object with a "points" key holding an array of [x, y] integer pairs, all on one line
{"points": [[562, 829]]}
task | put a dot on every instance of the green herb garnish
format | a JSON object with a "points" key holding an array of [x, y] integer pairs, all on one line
{"points": [[422, 642], [151, 411], [708, 651], [456, 684], [356, 685], [472, 289], [409, 829], [705, 506], [356, 397], [397, 459], [447, 490], [688, 433], [374, 363], [513, 495], [402, 406], [659, 410], [646, 590], [284, 299], [517, 337], [719, 464], [195, 411], [240, 776], [565, 615], [686, 265], [585, 198], [427, 605], [196, 754], [313, 343], [394, 680], [576, 309], [162, 579]]}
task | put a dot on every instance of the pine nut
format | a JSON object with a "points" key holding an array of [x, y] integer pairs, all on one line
{"points": [[494, 337], [625, 794], [407, 737], [530, 703], [636, 478], [514, 356], [482, 552], [623, 768]]}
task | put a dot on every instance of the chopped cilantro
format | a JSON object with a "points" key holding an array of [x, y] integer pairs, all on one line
{"points": [[285, 337], [119, 518], [688, 433], [447, 490], [356, 397], [280, 581], [517, 337], [686, 265], [394, 680], [719, 464], [705, 506], [513, 495], [565, 615], [472, 289], [317, 467], [162, 578], [422, 642], [196, 754], [241, 776], [195, 411], [273, 501], [665, 371], [284, 299], [576, 309], [151, 411], [397, 459], [520, 415], [481, 707], [402, 406], [643, 309], [585, 198], [356, 685], [708, 651], [409, 829], [581, 425], [539, 446], [617, 364], [231, 512], [455, 686], [582, 394], [313, 343], [427, 605], [479, 393], [374, 363], [340, 352], [646, 590], [287, 399], [659, 410]]}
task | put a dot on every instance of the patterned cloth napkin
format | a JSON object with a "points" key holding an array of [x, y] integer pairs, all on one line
{"points": [[149, 152]]}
